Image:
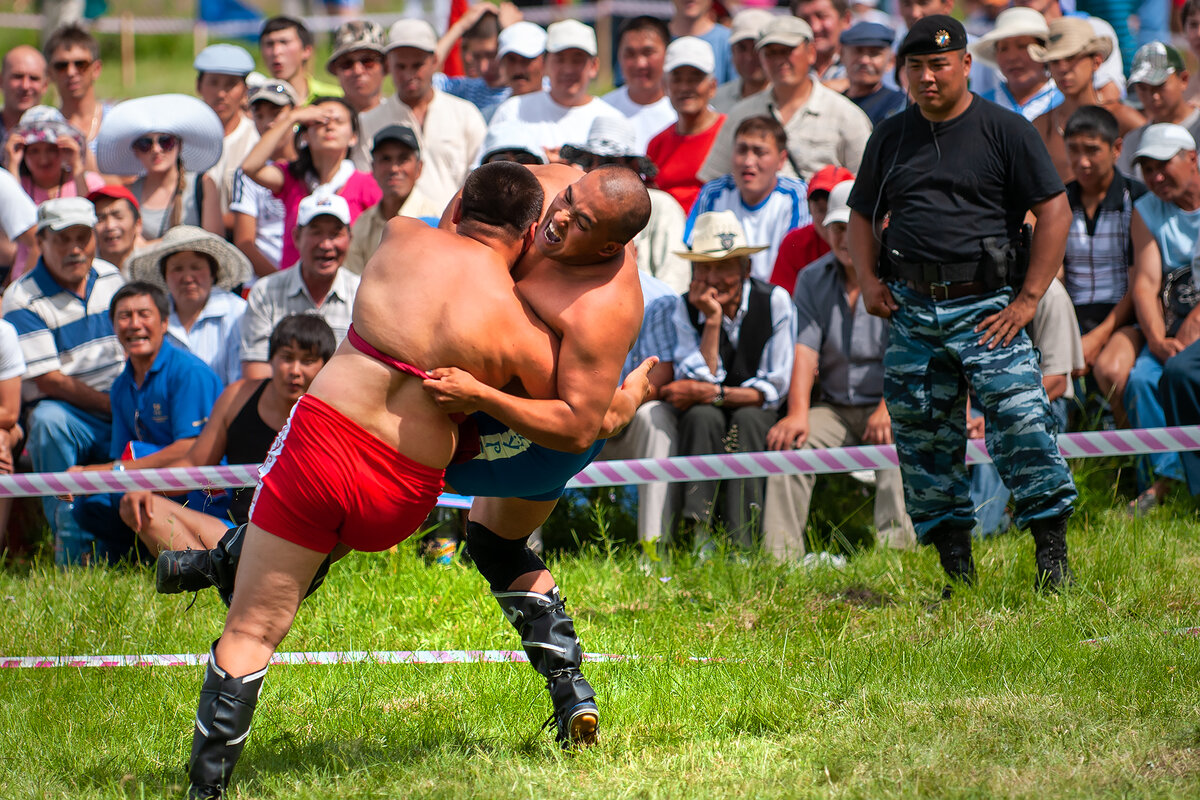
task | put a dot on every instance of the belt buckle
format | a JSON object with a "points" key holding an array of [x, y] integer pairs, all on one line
{"points": [[939, 291]]}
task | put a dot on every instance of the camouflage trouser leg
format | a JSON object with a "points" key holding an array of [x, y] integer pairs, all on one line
{"points": [[932, 353]]}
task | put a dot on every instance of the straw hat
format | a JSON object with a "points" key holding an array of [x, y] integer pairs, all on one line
{"points": [[189, 118], [718, 235], [1010, 24], [1071, 36], [233, 268]]}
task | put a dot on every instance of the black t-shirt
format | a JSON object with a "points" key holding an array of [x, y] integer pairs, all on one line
{"points": [[949, 185]]}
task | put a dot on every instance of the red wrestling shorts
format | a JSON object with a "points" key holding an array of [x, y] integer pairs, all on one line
{"points": [[327, 480]]}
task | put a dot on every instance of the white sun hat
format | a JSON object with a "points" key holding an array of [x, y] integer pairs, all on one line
{"points": [[718, 235], [190, 119], [1010, 24]]}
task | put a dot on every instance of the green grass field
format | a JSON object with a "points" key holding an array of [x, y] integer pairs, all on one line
{"points": [[822, 683]]}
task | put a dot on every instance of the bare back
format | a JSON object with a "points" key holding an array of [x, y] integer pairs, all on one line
{"points": [[429, 297]]}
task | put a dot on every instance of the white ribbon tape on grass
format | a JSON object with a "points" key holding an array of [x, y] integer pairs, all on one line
{"points": [[323, 657], [680, 469]]}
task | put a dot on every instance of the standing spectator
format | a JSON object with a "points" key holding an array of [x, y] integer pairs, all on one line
{"points": [[641, 51], [479, 31], [827, 19], [396, 165], [1165, 229], [23, 82], [806, 244], [680, 150], [748, 25], [1189, 18], [823, 127], [166, 140], [1074, 53], [357, 63], [118, 224], [839, 352], [565, 112], [257, 213], [766, 204], [199, 270], [12, 367], [318, 285], [867, 55], [451, 129], [286, 45], [221, 71], [18, 215], [60, 311], [522, 60], [696, 18], [328, 132], [1160, 81], [74, 58], [733, 363], [1026, 88], [1109, 80]]}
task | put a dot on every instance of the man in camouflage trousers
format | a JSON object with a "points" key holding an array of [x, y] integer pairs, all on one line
{"points": [[954, 177]]}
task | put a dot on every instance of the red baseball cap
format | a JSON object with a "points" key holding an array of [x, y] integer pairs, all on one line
{"points": [[828, 177], [114, 191]]}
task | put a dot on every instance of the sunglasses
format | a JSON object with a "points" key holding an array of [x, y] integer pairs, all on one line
{"points": [[80, 65], [347, 63], [144, 144]]}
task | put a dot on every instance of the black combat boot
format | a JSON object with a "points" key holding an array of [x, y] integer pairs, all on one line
{"points": [[1050, 540], [953, 544], [193, 570], [548, 636], [222, 725]]}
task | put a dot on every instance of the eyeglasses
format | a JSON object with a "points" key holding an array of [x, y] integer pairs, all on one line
{"points": [[80, 65], [144, 144], [368, 60]]}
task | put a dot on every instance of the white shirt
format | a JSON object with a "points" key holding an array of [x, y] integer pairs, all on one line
{"points": [[256, 201], [648, 120], [234, 149], [12, 361], [549, 124], [17, 212], [216, 335]]}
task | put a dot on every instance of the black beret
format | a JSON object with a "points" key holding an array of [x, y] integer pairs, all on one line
{"points": [[934, 34]]}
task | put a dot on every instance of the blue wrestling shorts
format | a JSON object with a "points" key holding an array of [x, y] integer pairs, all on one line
{"points": [[509, 465]]}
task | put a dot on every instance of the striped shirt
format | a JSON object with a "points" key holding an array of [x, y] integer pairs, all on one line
{"points": [[783, 210], [61, 331], [1099, 250], [283, 293], [1045, 99], [657, 336]]}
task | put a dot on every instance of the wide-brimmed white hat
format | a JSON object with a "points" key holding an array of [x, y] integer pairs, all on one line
{"points": [[718, 235], [189, 118], [146, 263], [1010, 24]]}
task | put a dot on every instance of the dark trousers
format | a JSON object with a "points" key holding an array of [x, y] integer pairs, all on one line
{"points": [[1179, 390], [703, 429]]}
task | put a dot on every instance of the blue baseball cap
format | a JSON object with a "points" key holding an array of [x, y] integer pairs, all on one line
{"points": [[224, 59], [868, 34]]}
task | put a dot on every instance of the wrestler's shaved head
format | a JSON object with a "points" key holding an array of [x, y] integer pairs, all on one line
{"points": [[628, 201], [503, 195]]}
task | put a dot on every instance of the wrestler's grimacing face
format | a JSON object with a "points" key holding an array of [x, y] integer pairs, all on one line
{"points": [[574, 228]]}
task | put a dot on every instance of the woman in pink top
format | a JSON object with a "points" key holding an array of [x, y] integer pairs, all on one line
{"points": [[325, 133]]}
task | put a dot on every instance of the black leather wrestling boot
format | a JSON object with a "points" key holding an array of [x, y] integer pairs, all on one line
{"points": [[1050, 542], [548, 637], [192, 570], [954, 550], [222, 725]]}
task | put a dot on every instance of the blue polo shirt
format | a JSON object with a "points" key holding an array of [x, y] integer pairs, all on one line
{"points": [[172, 403]]}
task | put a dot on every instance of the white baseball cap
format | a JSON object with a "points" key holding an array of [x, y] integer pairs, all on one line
{"points": [[1163, 141], [838, 209], [416, 33], [787, 30], [526, 39], [568, 34], [61, 213], [323, 204], [690, 51]]}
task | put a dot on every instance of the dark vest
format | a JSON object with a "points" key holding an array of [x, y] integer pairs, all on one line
{"points": [[741, 363]]}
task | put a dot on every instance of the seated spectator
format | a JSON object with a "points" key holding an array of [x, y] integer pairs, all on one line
{"points": [[1073, 54], [510, 142], [318, 285], [1164, 228], [241, 429], [697, 18], [396, 166], [652, 432], [74, 58], [198, 271], [806, 244], [822, 126], [357, 62], [1160, 81], [1026, 88], [22, 82], [867, 54], [12, 367], [18, 215], [839, 351], [733, 363], [221, 71], [60, 311], [160, 402], [1100, 251], [751, 79], [522, 60], [166, 140], [827, 19], [257, 213], [766, 203], [328, 133], [118, 224], [1180, 389], [613, 141], [286, 45], [680, 150], [478, 34], [641, 52]]}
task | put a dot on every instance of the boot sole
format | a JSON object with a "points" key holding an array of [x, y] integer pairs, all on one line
{"points": [[583, 728], [166, 581]]}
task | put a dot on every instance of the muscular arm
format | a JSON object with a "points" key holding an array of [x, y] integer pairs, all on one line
{"points": [[71, 390]]}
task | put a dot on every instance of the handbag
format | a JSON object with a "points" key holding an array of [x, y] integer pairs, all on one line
{"points": [[1179, 297]]}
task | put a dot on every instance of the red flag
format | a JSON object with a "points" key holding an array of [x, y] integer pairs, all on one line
{"points": [[454, 64]]}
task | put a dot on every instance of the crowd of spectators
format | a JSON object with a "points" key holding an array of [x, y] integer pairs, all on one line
{"points": [[179, 266]]}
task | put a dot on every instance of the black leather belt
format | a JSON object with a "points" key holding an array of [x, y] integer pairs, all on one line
{"points": [[947, 291]]}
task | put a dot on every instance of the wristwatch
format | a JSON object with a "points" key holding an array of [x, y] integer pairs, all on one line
{"points": [[719, 400]]}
